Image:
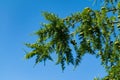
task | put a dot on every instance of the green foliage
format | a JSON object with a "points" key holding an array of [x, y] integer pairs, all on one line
{"points": [[98, 33]]}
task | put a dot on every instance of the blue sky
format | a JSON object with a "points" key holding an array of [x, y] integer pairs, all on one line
{"points": [[18, 20]]}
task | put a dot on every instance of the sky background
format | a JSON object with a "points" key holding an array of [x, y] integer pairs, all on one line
{"points": [[19, 19]]}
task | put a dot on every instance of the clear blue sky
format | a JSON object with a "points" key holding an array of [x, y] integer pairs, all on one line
{"points": [[18, 20]]}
